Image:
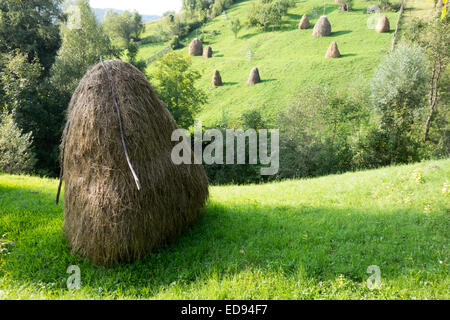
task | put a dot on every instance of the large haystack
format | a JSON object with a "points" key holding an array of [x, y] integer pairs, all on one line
{"points": [[106, 218], [322, 27], [254, 77], [196, 47], [383, 25], [207, 53], [304, 23], [216, 79], [333, 51]]}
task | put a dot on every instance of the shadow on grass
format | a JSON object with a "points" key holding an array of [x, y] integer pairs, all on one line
{"points": [[348, 55], [229, 83], [340, 33], [321, 243]]}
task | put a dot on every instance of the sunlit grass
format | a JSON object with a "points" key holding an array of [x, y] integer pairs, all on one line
{"points": [[299, 239]]}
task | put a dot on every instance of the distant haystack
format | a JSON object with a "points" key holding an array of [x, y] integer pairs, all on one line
{"points": [[304, 23], [216, 79], [113, 213], [322, 27], [383, 25], [333, 51], [254, 77], [195, 48], [207, 53]]}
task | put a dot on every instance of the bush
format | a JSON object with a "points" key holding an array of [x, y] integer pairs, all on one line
{"points": [[174, 81], [175, 43], [268, 13], [399, 89], [316, 132], [15, 147]]}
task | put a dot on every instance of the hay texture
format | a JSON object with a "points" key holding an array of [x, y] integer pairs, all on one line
{"points": [[195, 48], [106, 218], [207, 53], [322, 27], [304, 23], [216, 79], [254, 77], [383, 25], [333, 51]]}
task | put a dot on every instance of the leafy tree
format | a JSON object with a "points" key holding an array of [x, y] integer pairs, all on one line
{"points": [[399, 89], [267, 13], [235, 25], [138, 26], [35, 105], [32, 27], [123, 27], [435, 38], [81, 48], [174, 81], [15, 147], [132, 53], [315, 132]]}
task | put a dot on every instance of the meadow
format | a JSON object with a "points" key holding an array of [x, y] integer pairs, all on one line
{"points": [[296, 239], [288, 58]]}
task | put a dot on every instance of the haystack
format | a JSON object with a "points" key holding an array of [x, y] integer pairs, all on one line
{"points": [[196, 47], [322, 27], [216, 79], [254, 77], [107, 218], [207, 53], [383, 25], [304, 23], [333, 51]]}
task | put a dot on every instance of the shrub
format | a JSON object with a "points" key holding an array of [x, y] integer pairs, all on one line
{"points": [[398, 89], [175, 43], [316, 132], [15, 147], [174, 81]]}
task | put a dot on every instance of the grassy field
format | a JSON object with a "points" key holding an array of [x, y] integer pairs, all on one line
{"points": [[306, 239], [288, 59]]}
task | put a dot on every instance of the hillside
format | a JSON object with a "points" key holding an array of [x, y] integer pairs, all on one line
{"points": [[288, 59], [300, 239]]}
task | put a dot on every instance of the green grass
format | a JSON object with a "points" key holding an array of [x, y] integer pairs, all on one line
{"points": [[288, 59], [302, 239]]}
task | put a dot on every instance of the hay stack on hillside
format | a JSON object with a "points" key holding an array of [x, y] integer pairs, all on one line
{"points": [[107, 218], [333, 51], [207, 53], [216, 79], [195, 48], [322, 27], [254, 77], [304, 23], [383, 25]]}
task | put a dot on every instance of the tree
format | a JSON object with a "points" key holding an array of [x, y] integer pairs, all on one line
{"points": [[35, 105], [399, 89], [235, 25], [81, 48], [15, 147], [436, 41], [32, 27], [138, 26], [174, 81], [267, 13], [132, 57], [123, 27]]}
